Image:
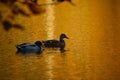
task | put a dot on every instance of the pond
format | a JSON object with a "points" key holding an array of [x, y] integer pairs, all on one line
{"points": [[92, 50]]}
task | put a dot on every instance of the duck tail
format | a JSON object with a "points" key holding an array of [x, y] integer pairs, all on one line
{"points": [[43, 41], [18, 47]]}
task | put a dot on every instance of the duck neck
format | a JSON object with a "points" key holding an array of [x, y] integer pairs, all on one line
{"points": [[61, 39]]}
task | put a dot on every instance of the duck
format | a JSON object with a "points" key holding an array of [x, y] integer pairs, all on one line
{"points": [[56, 43], [29, 47]]}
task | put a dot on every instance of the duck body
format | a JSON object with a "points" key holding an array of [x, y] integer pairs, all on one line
{"points": [[56, 43], [51, 43], [29, 48]]}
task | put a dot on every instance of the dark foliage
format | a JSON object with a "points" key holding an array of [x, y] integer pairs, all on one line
{"points": [[21, 11], [17, 26], [8, 2], [35, 1], [0, 16], [60, 1], [7, 25], [16, 10], [36, 9]]}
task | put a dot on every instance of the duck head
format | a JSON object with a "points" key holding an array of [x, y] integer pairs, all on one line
{"points": [[38, 43], [62, 36]]}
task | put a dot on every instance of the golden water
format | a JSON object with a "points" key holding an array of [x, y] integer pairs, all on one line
{"points": [[93, 51]]}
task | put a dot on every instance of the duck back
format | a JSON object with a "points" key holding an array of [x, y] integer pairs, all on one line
{"points": [[51, 43], [28, 48]]}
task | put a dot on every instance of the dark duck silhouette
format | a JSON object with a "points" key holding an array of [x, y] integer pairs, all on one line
{"points": [[29, 48], [56, 43]]}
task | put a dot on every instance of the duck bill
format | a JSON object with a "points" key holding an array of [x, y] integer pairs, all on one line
{"points": [[67, 37]]}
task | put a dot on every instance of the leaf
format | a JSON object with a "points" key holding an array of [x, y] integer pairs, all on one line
{"points": [[12, 1], [18, 26], [8, 2], [23, 12], [0, 16], [4, 1], [35, 1], [15, 10], [7, 25], [11, 16], [36, 9]]}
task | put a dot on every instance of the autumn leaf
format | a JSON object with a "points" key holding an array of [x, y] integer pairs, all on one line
{"points": [[18, 26], [7, 25], [36, 9]]}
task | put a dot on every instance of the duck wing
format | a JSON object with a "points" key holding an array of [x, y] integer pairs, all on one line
{"points": [[28, 48], [23, 45]]}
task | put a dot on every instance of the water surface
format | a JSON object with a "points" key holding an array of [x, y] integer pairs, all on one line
{"points": [[93, 51]]}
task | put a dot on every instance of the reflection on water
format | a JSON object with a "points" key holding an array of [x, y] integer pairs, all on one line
{"points": [[93, 28], [50, 25], [50, 62], [50, 21]]}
